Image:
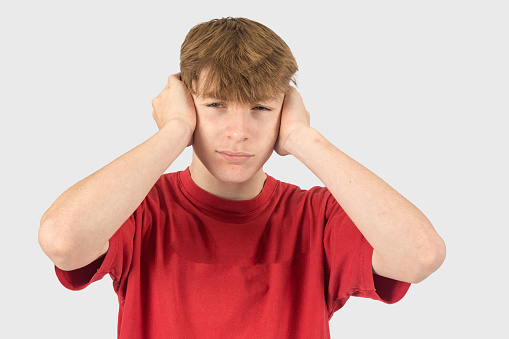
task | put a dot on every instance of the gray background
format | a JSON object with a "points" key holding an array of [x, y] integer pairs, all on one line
{"points": [[413, 90]]}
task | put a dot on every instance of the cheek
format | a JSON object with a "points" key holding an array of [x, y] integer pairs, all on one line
{"points": [[201, 137], [267, 134], [271, 129], [204, 127]]}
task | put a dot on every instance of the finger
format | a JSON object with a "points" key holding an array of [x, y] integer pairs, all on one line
{"points": [[169, 81], [174, 77], [155, 102]]}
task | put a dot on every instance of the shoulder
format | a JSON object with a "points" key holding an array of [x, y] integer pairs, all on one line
{"points": [[317, 199], [293, 188], [164, 189], [316, 195]]}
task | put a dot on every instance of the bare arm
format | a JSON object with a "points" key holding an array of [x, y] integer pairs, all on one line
{"points": [[406, 246], [76, 229]]}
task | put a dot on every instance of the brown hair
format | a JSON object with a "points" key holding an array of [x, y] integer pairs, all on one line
{"points": [[236, 60]]}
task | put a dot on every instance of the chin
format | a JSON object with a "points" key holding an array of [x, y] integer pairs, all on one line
{"points": [[234, 174]]}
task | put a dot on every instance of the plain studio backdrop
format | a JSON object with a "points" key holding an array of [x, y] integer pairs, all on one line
{"points": [[415, 91]]}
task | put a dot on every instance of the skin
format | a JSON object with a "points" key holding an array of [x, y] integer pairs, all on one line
{"points": [[231, 144], [406, 246], [76, 229]]}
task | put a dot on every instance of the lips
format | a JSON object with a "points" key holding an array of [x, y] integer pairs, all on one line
{"points": [[235, 156]]}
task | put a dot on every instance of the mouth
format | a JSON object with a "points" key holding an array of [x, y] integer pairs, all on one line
{"points": [[234, 156]]}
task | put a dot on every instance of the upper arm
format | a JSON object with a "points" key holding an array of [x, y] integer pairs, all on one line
{"points": [[104, 249], [380, 267], [391, 270], [375, 263], [66, 266]]}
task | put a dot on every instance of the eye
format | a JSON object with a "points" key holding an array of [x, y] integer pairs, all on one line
{"points": [[262, 108], [215, 105]]}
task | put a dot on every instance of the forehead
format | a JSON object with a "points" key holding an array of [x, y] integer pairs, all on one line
{"points": [[237, 92]]}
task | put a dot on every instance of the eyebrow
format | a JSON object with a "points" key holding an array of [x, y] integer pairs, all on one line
{"points": [[265, 102], [269, 102]]}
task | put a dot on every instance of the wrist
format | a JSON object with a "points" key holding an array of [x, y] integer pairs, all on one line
{"points": [[300, 139], [178, 129]]}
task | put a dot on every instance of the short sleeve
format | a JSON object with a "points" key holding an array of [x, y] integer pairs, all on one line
{"points": [[116, 262], [348, 264]]}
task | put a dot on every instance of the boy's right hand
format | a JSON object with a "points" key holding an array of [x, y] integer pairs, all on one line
{"points": [[175, 102]]}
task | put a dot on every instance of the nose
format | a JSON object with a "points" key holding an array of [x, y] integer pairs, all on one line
{"points": [[237, 125]]}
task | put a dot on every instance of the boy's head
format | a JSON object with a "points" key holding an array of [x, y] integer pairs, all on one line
{"points": [[236, 60]]}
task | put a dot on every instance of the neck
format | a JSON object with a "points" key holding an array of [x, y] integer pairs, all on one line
{"points": [[243, 190]]}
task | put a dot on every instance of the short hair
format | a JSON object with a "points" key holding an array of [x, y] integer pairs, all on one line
{"points": [[236, 60]]}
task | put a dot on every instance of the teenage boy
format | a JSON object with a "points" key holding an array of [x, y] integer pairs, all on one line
{"points": [[221, 249]]}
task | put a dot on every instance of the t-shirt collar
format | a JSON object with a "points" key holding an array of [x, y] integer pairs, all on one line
{"points": [[211, 201]]}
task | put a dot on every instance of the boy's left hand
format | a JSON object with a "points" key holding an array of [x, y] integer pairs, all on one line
{"points": [[294, 118]]}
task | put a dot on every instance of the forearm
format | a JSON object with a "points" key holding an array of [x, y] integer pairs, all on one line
{"points": [[400, 234], [84, 217]]}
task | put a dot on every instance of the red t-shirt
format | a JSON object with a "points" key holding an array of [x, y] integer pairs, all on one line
{"points": [[188, 264]]}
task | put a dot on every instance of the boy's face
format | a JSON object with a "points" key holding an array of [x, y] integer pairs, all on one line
{"points": [[233, 141]]}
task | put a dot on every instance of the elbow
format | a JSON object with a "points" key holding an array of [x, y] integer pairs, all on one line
{"points": [[65, 249], [46, 237], [52, 243], [430, 258]]}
